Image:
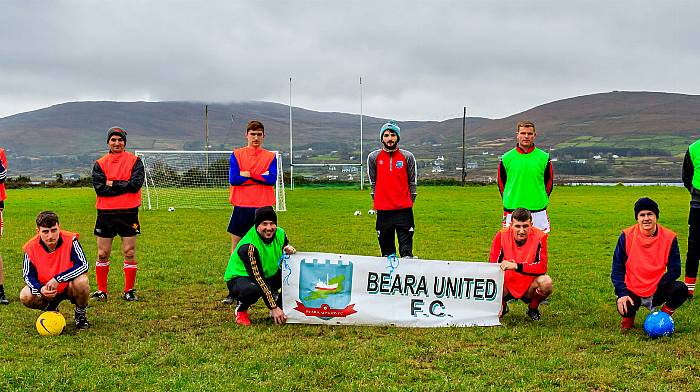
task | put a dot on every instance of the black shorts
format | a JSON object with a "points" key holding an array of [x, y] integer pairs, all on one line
{"points": [[391, 219], [242, 219], [124, 223]]}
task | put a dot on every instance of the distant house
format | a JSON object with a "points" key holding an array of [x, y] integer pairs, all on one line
{"points": [[596, 157], [579, 161], [472, 165]]}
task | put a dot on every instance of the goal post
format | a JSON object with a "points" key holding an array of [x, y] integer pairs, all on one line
{"points": [[193, 179]]}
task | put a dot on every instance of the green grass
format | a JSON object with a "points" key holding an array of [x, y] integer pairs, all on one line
{"points": [[180, 338]]}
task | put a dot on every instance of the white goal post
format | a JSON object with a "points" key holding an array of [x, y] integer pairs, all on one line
{"points": [[193, 179]]}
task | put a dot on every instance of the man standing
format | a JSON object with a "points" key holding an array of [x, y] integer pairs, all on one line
{"points": [[526, 178], [393, 178], [691, 164], [55, 269], [3, 196], [252, 176], [253, 269], [645, 266], [117, 178], [521, 249]]}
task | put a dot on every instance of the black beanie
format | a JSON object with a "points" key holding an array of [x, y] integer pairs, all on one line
{"points": [[264, 214], [116, 131], [647, 204]]}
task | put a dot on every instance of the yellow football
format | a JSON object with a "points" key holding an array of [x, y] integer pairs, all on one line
{"points": [[50, 324]]}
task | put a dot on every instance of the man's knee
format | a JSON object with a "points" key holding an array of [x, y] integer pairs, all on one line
{"points": [[79, 284], [545, 284], [78, 290], [129, 247], [103, 253], [30, 300]]}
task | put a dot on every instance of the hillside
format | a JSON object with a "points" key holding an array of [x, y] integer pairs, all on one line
{"points": [[67, 137]]}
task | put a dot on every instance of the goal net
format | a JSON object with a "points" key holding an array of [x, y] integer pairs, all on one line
{"points": [[193, 179]]}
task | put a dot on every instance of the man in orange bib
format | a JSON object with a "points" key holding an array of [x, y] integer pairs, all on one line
{"points": [[117, 178], [55, 269], [521, 249], [646, 264]]}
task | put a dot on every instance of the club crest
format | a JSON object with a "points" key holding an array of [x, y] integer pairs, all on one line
{"points": [[325, 288]]}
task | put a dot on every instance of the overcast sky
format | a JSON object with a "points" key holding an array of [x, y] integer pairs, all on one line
{"points": [[420, 60]]}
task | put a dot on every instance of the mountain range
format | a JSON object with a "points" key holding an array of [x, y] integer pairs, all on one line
{"points": [[69, 136]]}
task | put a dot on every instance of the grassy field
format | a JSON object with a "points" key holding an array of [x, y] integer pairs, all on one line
{"points": [[179, 337]]}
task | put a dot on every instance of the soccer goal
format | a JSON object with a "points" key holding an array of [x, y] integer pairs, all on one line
{"points": [[193, 179]]}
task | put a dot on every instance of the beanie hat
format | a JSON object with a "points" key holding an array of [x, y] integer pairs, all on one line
{"points": [[391, 125], [647, 204], [264, 214], [116, 131]]}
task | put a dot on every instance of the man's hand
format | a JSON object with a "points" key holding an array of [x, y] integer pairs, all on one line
{"points": [[47, 292], [52, 284], [109, 183], [245, 174], [289, 250], [278, 315], [622, 304], [508, 265]]}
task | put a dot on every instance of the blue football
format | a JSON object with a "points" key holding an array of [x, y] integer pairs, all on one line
{"points": [[658, 324]]}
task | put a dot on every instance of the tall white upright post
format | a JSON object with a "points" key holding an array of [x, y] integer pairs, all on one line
{"points": [[291, 149]]}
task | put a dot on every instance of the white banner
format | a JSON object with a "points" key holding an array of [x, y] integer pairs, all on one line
{"points": [[324, 288]]}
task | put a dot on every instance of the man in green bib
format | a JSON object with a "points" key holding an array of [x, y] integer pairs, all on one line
{"points": [[526, 178], [253, 270], [691, 165]]}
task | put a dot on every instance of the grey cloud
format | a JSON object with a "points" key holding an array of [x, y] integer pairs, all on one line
{"points": [[418, 60]]}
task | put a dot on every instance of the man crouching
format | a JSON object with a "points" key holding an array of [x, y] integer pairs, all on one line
{"points": [[253, 269], [646, 264], [55, 269], [521, 249]]}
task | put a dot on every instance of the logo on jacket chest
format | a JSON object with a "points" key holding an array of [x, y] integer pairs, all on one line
{"points": [[398, 164]]}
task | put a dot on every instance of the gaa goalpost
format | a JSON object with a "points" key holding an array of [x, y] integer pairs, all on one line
{"points": [[193, 179]]}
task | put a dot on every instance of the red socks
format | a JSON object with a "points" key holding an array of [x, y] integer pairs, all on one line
{"points": [[129, 275], [101, 273], [627, 323], [536, 299], [667, 310], [690, 282]]}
